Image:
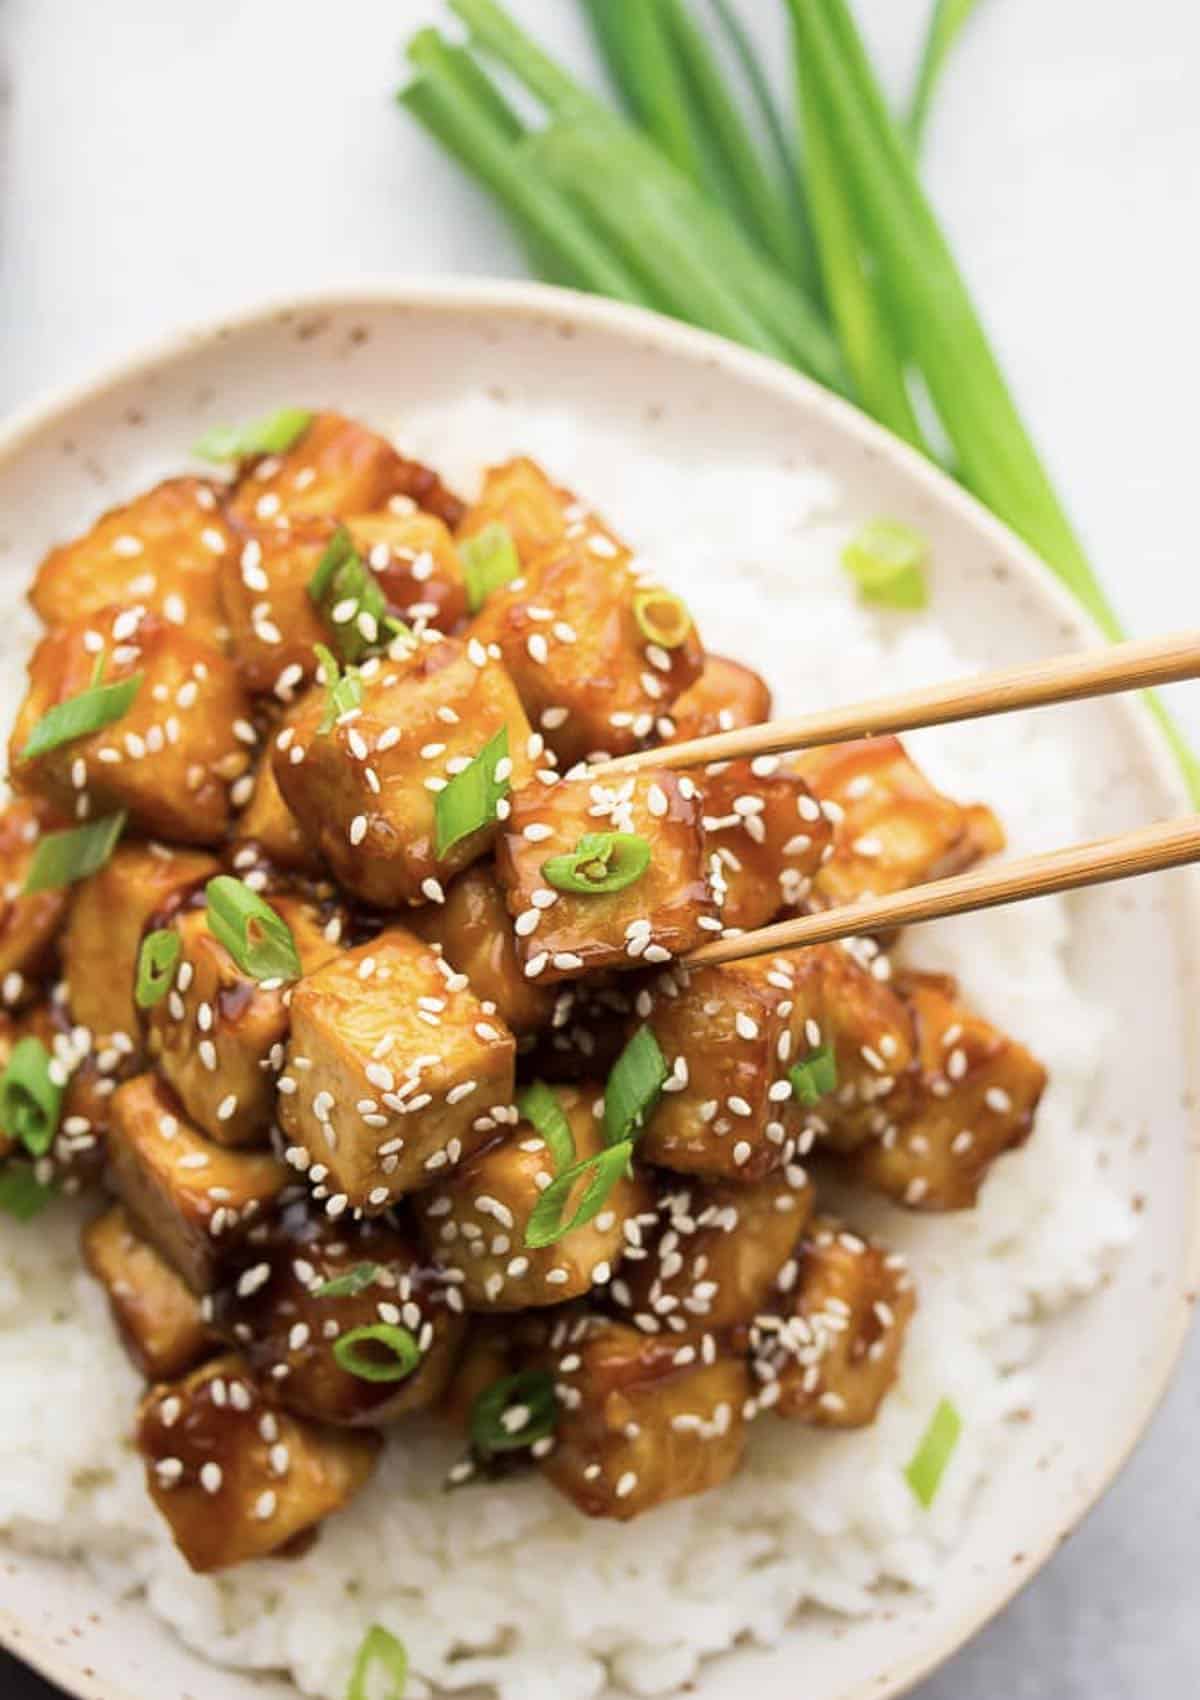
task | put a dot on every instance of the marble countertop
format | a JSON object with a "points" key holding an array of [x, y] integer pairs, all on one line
{"points": [[161, 162]]}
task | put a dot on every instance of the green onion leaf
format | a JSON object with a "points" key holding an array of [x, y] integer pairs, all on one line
{"points": [[156, 964], [539, 1106], [21, 1193], [344, 691], [30, 1098], [634, 1087], [489, 560], [269, 436], [815, 1075], [513, 1413], [603, 1170], [601, 862], [469, 800], [61, 858], [379, 1647], [927, 1466], [946, 19], [887, 562], [80, 716], [349, 1285], [259, 940], [350, 599], [401, 1349], [662, 617]]}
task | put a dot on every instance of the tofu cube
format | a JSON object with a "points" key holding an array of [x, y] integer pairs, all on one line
{"points": [[158, 1319], [219, 1035], [893, 828], [561, 934], [712, 1255], [286, 1326], [334, 467], [474, 932], [475, 1221], [536, 512], [274, 624], [394, 1073], [171, 757], [365, 791], [235, 1477], [268, 826], [830, 1352], [29, 921], [725, 697], [972, 1096], [103, 937], [193, 1200], [416, 562], [643, 1419], [160, 551]]}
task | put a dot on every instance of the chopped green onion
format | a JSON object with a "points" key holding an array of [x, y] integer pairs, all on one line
{"points": [[259, 940], [403, 1353], [946, 20], [156, 964], [634, 1087], [546, 1226], [344, 691], [927, 1466], [349, 598], [601, 862], [21, 1193], [269, 436], [469, 801], [80, 716], [98, 667], [30, 1097], [662, 617], [887, 562], [489, 560], [379, 1647], [349, 1285], [513, 1413], [815, 1075], [61, 858], [539, 1106]]}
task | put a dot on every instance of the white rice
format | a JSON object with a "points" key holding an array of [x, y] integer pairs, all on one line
{"points": [[507, 1587]]}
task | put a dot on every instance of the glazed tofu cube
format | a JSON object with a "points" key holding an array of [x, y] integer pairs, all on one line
{"points": [[643, 1419], [219, 1035], [768, 836], [286, 1325], [161, 552], [29, 921], [274, 624], [235, 1477], [365, 791], [475, 933], [893, 828], [267, 824], [170, 759], [158, 1319], [724, 698], [712, 1255], [662, 914], [394, 1073], [416, 562], [334, 467], [972, 1097], [195, 1201], [109, 913], [830, 1351], [575, 633], [536, 512], [475, 1221]]}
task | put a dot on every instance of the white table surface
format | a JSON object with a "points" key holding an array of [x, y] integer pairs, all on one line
{"points": [[161, 160]]}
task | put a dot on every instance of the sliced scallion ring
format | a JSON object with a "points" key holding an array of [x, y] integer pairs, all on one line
{"points": [[30, 1098], [61, 858], [379, 1647], [513, 1413], [602, 862], [887, 561], [156, 964], [272, 435], [602, 1171], [469, 800], [633, 1087], [927, 1465], [539, 1105], [22, 1195], [489, 560], [397, 1356], [259, 940], [815, 1075], [79, 716], [662, 617], [349, 1285]]}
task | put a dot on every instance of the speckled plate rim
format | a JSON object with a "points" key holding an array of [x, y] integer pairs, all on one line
{"points": [[516, 300]]}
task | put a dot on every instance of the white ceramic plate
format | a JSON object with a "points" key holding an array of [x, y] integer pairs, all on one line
{"points": [[374, 352]]}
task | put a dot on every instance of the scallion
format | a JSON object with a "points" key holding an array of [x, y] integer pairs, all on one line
{"points": [[887, 562], [634, 1087], [602, 1172], [396, 1358], [489, 560], [946, 20], [157, 958], [61, 858], [379, 1647], [272, 435], [349, 1285], [815, 1076], [343, 691], [22, 1195], [79, 716], [513, 1413], [469, 801], [601, 863], [540, 1107], [350, 599], [258, 939], [30, 1097], [662, 617], [927, 1466]]}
